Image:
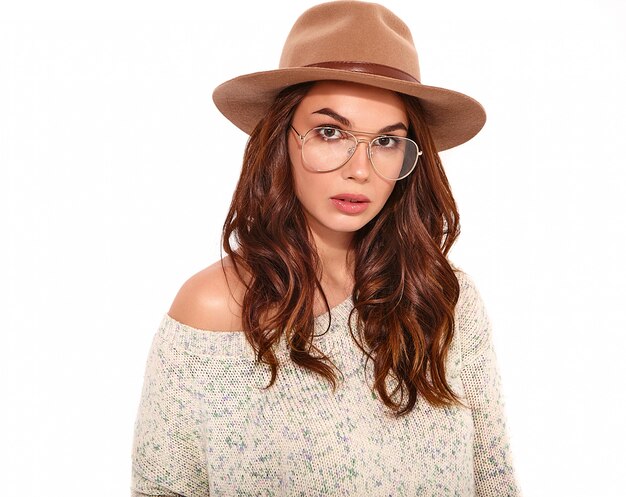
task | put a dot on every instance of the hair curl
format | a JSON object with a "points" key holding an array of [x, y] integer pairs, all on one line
{"points": [[405, 289]]}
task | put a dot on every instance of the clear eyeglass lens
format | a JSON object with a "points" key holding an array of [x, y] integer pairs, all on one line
{"points": [[326, 148]]}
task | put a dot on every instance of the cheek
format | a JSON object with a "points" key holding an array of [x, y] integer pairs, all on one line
{"points": [[308, 187], [385, 190]]}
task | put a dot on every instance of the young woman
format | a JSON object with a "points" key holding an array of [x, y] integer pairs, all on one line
{"points": [[334, 350]]}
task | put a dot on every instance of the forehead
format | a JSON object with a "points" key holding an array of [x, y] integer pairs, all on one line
{"points": [[363, 105]]}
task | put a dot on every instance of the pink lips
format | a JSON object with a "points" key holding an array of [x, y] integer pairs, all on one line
{"points": [[350, 203]]}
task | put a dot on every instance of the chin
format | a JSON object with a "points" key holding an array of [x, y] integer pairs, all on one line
{"points": [[349, 225], [338, 223]]}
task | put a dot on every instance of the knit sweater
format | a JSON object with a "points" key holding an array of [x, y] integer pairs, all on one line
{"points": [[205, 427]]}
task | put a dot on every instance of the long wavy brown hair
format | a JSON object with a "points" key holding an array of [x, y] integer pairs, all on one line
{"points": [[405, 289]]}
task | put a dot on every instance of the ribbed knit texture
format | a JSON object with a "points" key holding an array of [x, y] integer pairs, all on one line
{"points": [[204, 427]]}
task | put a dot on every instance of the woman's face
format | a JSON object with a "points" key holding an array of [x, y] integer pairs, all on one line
{"points": [[324, 195]]}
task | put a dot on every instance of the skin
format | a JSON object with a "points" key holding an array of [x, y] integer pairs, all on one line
{"points": [[209, 300]]}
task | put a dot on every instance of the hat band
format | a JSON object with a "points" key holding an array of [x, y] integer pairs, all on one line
{"points": [[368, 68]]}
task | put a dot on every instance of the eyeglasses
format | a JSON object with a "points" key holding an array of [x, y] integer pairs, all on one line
{"points": [[326, 148]]}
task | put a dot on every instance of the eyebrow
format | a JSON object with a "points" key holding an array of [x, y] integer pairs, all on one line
{"points": [[346, 122]]}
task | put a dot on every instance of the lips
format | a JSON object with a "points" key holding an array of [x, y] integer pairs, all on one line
{"points": [[350, 203], [351, 197]]}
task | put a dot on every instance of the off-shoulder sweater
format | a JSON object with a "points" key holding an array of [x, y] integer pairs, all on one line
{"points": [[205, 427]]}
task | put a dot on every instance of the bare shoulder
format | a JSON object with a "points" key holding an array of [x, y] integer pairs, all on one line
{"points": [[210, 299]]}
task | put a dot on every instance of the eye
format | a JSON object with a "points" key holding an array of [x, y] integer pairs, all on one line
{"points": [[329, 133], [386, 142]]}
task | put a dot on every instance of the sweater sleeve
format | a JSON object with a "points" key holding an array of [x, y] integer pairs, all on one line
{"points": [[493, 466], [167, 456]]}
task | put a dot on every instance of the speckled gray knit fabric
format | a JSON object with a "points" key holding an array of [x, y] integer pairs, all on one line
{"points": [[204, 427]]}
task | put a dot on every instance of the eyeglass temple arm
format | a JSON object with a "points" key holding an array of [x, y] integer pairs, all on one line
{"points": [[296, 131]]}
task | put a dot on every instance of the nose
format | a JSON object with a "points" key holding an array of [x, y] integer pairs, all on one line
{"points": [[358, 166]]}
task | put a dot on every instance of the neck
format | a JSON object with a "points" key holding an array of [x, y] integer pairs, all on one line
{"points": [[337, 260]]}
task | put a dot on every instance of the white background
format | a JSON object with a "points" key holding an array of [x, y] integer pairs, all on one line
{"points": [[116, 171]]}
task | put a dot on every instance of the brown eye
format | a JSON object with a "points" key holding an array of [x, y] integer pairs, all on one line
{"points": [[329, 133], [386, 142]]}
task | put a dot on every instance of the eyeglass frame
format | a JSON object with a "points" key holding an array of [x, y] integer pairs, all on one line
{"points": [[358, 140]]}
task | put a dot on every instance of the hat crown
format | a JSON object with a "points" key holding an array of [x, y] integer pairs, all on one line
{"points": [[351, 31]]}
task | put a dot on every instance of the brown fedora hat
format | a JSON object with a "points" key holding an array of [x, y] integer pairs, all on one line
{"points": [[361, 42]]}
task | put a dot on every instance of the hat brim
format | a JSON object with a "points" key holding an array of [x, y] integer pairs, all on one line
{"points": [[452, 117]]}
